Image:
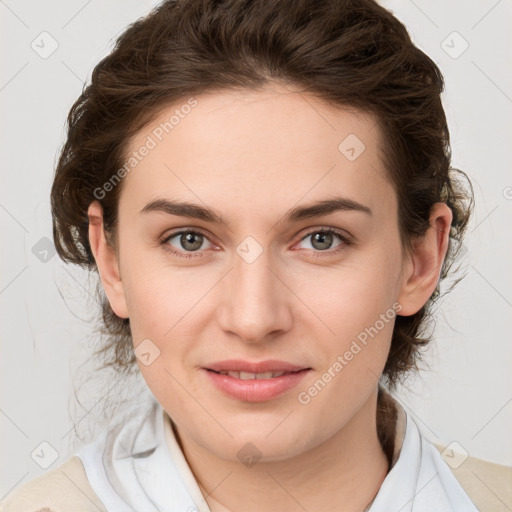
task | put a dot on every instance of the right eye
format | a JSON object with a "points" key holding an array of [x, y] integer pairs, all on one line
{"points": [[189, 240]]}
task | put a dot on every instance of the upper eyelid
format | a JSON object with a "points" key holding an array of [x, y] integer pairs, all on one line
{"points": [[180, 231]]}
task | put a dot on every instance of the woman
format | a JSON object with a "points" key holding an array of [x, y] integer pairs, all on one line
{"points": [[265, 191]]}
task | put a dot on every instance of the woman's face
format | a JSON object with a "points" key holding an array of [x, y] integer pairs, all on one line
{"points": [[264, 284]]}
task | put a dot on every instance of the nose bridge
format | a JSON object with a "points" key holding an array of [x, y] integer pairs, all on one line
{"points": [[254, 305]]}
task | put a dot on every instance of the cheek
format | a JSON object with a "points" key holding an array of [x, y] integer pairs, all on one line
{"points": [[356, 305], [169, 308], [352, 297], [148, 305], [359, 316], [158, 296], [162, 325]]}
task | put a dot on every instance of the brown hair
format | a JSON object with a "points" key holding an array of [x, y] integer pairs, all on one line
{"points": [[349, 53]]}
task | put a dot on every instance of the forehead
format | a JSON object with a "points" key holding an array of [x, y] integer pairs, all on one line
{"points": [[256, 148]]}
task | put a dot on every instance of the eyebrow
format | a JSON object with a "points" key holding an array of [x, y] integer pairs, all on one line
{"points": [[318, 209]]}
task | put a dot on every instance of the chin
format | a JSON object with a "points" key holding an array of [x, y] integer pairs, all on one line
{"points": [[264, 445]]}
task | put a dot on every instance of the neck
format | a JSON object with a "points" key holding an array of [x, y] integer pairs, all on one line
{"points": [[349, 468]]}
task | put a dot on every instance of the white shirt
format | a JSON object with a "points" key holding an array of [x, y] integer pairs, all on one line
{"points": [[137, 465]]}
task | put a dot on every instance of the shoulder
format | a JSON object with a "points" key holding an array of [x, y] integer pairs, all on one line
{"points": [[62, 489], [488, 485]]}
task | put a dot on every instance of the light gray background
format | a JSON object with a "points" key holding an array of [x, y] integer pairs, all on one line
{"points": [[46, 306]]}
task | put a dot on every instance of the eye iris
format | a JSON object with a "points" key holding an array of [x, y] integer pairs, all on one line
{"points": [[189, 237], [322, 237]]}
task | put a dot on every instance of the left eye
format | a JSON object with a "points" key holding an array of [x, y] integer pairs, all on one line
{"points": [[322, 239]]}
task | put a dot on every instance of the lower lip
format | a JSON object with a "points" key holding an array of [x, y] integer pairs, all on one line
{"points": [[256, 390]]}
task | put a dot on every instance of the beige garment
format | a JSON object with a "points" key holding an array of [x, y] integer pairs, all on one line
{"points": [[63, 489], [66, 488], [488, 485]]}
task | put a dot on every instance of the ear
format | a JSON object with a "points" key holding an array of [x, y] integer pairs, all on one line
{"points": [[106, 260], [423, 266]]}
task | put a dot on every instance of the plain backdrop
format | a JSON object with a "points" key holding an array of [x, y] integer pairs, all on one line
{"points": [[49, 49]]}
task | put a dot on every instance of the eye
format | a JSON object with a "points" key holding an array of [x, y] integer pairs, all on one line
{"points": [[185, 243], [322, 240]]}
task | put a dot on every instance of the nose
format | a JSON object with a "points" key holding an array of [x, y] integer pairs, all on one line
{"points": [[255, 304]]}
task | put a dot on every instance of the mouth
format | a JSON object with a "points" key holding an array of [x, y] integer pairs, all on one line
{"points": [[258, 376], [254, 382]]}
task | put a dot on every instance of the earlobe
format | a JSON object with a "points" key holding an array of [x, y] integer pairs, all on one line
{"points": [[106, 261], [425, 262]]}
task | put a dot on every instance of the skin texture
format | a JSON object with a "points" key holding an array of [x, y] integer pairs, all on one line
{"points": [[252, 156]]}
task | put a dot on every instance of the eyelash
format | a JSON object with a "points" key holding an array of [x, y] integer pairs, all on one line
{"points": [[325, 231]]}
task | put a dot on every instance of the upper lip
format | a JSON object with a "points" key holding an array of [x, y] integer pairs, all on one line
{"points": [[271, 365]]}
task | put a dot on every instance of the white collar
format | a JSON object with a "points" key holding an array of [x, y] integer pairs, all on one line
{"points": [[137, 464]]}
